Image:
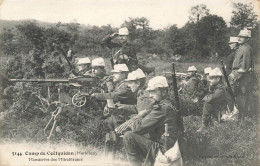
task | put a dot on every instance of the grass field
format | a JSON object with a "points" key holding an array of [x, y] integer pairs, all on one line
{"points": [[223, 144]]}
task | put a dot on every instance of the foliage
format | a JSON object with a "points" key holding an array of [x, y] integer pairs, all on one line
{"points": [[243, 16], [198, 12], [211, 36]]}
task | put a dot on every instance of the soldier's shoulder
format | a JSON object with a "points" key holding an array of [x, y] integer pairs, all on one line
{"points": [[245, 47]]}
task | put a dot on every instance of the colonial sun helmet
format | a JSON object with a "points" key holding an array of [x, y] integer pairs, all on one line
{"points": [[83, 61], [157, 82], [207, 70], [135, 75], [120, 68], [233, 39], [98, 62], [123, 31], [215, 73], [244, 33], [192, 68]]}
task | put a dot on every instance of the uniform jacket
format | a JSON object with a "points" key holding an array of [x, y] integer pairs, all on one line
{"points": [[154, 122], [230, 59], [217, 95], [192, 85], [121, 93], [121, 49], [243, 57]]}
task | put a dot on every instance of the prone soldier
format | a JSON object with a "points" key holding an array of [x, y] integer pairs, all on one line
{"points": [[138, 146]]}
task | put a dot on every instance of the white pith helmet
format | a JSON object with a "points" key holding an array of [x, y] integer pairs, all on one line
{"points": [[83, 61], [157, 82], [215, 73], [192, 68], [233, 39], [120, 68], [241, 70], [98, 62], [123, 31], [244, 33], [135, 75], [207, 70]]}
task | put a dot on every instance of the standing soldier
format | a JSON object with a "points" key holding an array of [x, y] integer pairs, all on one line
{"points": [[214, 99], [233, 44], [123, 52], [241, 75], [138, 146]]}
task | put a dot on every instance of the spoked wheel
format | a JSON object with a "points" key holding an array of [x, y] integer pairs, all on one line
{"points": [[79, 100]]}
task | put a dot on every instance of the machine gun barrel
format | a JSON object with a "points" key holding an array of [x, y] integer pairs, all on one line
{"points": [[87, 80], [40, 80]]}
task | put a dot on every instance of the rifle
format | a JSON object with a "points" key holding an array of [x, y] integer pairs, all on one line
{"points": [[79, 99], [228, 84], [176, 97]]}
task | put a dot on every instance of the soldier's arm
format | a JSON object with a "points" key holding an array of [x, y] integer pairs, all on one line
{"points": [[219, 94], [106, 41], [130, 109], [149, 122], [118, 95], [246, 59]]}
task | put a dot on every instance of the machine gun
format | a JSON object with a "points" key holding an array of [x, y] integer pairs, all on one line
{"points": [[79, 99]]}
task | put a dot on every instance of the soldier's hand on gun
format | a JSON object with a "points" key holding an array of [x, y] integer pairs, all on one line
{"points": [[121, 106]]}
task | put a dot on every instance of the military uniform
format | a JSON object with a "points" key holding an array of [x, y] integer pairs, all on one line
{"points": [[119, 50], [242, 81], [230, 59], [192, 84], [121, 93], [212, 103], [138, 146]]}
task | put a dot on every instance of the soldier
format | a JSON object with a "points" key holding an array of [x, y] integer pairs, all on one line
{"points": [[136, 81], [123, 52], [138, 146], [203, 86], [241, 75], [233, 44], [193, 80], [214, 99], [83, 65], [121, 93], [98, 70]]}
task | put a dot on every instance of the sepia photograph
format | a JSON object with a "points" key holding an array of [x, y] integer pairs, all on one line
{"points": [[129, 82]]}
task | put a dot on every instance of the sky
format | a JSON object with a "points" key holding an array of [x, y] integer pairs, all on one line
{"points": [[161, 13]]}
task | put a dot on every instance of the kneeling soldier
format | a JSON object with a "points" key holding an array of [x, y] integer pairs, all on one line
{"points": [[214, 99], [138, 146]]}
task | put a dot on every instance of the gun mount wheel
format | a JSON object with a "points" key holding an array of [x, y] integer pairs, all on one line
{"points": [[79, 100]]}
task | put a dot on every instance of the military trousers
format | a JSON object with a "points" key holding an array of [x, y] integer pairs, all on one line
{"points": [[208, 110], [137, 148]]}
